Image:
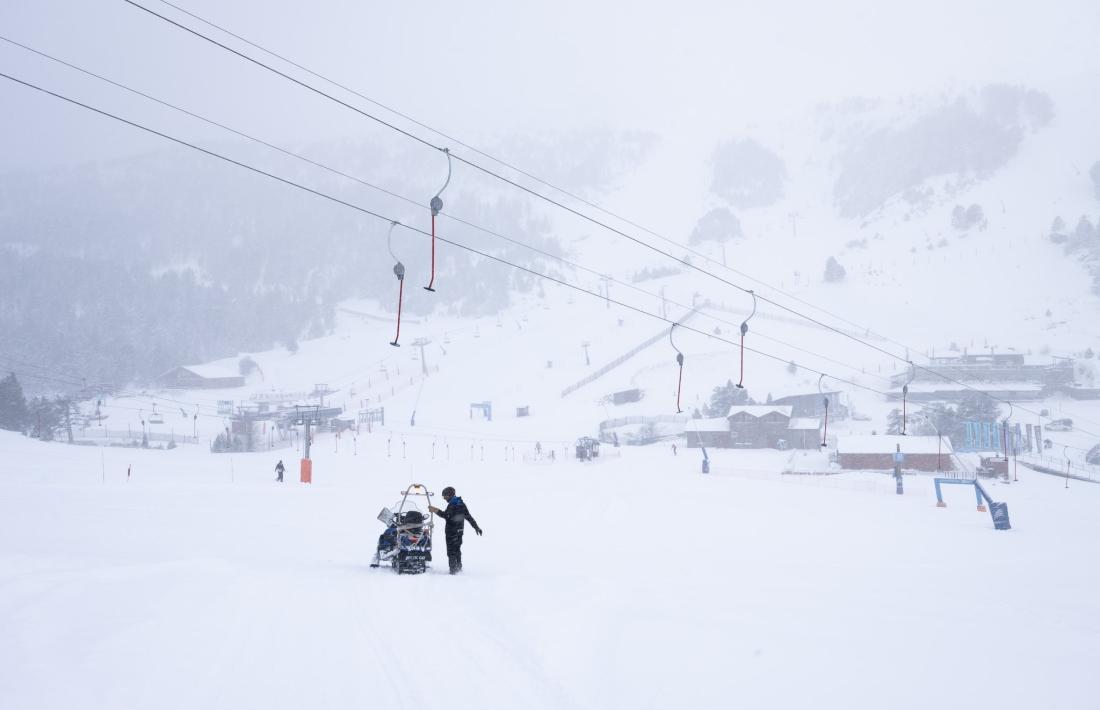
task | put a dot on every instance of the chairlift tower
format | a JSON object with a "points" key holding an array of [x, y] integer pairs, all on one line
{"points": [[422, 343], [306, 417]]}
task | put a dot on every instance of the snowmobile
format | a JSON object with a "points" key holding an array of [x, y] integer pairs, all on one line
{"points": [[406, 543]]}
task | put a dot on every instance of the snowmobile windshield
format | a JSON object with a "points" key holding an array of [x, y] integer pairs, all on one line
{"points": [[411, 514]]}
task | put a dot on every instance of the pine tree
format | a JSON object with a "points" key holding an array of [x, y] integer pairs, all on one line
{"points": [[724, 397], [718, 225], [893, 422], [13, 405], [974, 407], [939, 418], [834, 272], [44, 417]]}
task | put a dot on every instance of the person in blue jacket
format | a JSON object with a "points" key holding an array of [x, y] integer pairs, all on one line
{"points": [[456, 516]]}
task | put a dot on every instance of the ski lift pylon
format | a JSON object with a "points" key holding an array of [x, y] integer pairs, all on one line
{"points": [[905, 398], [821, 391]]}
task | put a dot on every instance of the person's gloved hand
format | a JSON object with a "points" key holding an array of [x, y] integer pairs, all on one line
{"points": [[478, 531], [433, 509]]}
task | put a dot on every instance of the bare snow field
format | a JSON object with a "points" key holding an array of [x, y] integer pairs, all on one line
{"points": [[634, 581], [882, 225]]}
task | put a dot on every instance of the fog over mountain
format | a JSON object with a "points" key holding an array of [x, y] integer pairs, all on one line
{"points": [[145, 255], [557, 355]]}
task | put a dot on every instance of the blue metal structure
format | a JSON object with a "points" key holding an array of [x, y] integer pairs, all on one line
{"points": [[989, 436], [998, 511], [981, 436]]}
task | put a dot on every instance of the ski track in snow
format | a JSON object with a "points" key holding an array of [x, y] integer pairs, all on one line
{"points": [[634, 582]]}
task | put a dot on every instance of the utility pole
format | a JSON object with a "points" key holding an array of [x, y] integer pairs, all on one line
{"points": [[606, 289], [68, 419], [421, 343], [898, 458], [1015, 452], [587, 360], [794, 224]]}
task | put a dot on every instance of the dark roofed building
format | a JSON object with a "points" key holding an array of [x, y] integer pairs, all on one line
{"points": [[714, 433], [1001, 368], [758, 426], [804, 432], [813, 405]]}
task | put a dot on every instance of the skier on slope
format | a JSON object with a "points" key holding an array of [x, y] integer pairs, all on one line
{"points": [[456, 516], [279, 468]]}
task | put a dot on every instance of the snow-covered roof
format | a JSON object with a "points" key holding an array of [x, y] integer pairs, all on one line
{"points": [[806, 395], [928, 387], [813, 423], [212, 371], [887, 444], [716, 424], [759, 410], [1042, 360]]}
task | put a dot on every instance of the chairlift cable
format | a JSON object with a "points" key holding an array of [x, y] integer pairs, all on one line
{"points": [[402, 197], [517, 169], [464, 247], [532, 192], [684, 262]]}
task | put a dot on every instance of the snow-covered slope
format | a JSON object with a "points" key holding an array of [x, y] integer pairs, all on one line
{"points": [[196, 581], [632, 582], [911, 275]]}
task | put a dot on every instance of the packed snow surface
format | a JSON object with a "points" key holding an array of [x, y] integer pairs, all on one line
{"points": [[633, 581]]}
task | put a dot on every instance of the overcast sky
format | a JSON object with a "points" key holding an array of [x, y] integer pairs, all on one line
{"points": [[483, 69]]}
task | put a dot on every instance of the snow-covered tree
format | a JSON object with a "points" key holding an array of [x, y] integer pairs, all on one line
{"points": [[893, 422], [718, 225], [724, 397], [246, 366], [13, 405], [746, 174], [834, 272], [964, 218]]}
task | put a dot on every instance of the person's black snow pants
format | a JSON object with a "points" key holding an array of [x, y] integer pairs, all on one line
{"points": [[454, 551]]}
